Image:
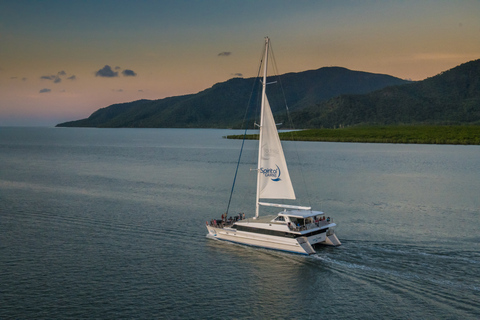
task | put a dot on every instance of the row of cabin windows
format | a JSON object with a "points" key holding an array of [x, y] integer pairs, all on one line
{"points": [[298, 221], [276, 233]]}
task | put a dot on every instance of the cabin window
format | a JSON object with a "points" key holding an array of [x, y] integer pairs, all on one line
{"points": [[280, 218], [297, 221]]}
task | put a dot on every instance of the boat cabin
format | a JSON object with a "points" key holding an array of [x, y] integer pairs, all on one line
{"points": [[301, 219]]}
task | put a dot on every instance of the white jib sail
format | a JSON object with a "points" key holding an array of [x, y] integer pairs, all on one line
{"points": [[274, 178]]}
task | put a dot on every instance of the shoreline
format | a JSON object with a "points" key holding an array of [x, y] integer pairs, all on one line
{"points": [[422, 134]]}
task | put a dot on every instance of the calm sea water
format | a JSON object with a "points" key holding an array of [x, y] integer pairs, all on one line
{"points": [[109, 223]]}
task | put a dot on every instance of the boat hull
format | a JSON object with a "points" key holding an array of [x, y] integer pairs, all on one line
{"points": [[300, 245]]}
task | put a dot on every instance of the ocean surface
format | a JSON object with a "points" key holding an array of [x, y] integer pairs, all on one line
{"points": [[110, 224]]}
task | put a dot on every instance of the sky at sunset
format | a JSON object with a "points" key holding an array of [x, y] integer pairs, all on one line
{"points": [[62, 60]]}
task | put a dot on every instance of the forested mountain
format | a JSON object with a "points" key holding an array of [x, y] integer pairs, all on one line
{"points": [[224, 104], [452, 97], [328, 97]]}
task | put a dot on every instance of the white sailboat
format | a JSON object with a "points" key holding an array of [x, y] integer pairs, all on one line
{"points": [[296, 229]]}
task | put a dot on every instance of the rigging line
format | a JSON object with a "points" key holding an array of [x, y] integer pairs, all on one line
{"points": [[244, 135], [292, 126], [275, 67]]}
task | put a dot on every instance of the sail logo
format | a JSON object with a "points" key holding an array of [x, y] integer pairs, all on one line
{"points": [[273, 174]]}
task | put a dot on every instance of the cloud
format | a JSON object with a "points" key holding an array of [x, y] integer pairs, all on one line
{"points": [[238, 74], [45, 90], [106, 72], [56, 78], [48, 77], [224, 54], [15, 78], [73, 77], [129, 73]]}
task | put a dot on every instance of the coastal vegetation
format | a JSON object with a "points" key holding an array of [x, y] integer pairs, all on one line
{"points": [[421, 134]]}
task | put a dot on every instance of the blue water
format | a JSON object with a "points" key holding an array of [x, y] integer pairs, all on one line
{"points": [[109, 223]]}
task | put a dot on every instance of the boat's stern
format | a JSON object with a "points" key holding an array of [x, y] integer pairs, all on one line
{"points": [[306, 245], [327, 237], [332, 240]]}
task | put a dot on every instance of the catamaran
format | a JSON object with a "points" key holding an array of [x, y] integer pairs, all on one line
{"points": [[296, 229]]}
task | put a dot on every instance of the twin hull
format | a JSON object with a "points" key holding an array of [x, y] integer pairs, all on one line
{"points": [[299, 244]]}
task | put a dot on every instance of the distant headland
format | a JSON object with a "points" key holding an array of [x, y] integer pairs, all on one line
{"points": [[369, 107]]}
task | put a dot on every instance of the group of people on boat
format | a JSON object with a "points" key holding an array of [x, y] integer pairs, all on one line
{"points": [[318, 219], [310, 222], [226, 221]]}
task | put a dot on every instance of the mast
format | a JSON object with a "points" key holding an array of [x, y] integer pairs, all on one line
{"points": [[264, 84]]}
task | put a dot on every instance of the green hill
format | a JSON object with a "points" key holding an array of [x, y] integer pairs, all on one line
{"points": [[223, 105], [452, 97]]}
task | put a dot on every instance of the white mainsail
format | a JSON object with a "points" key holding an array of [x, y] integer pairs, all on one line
{"points": [[274, 178]]}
